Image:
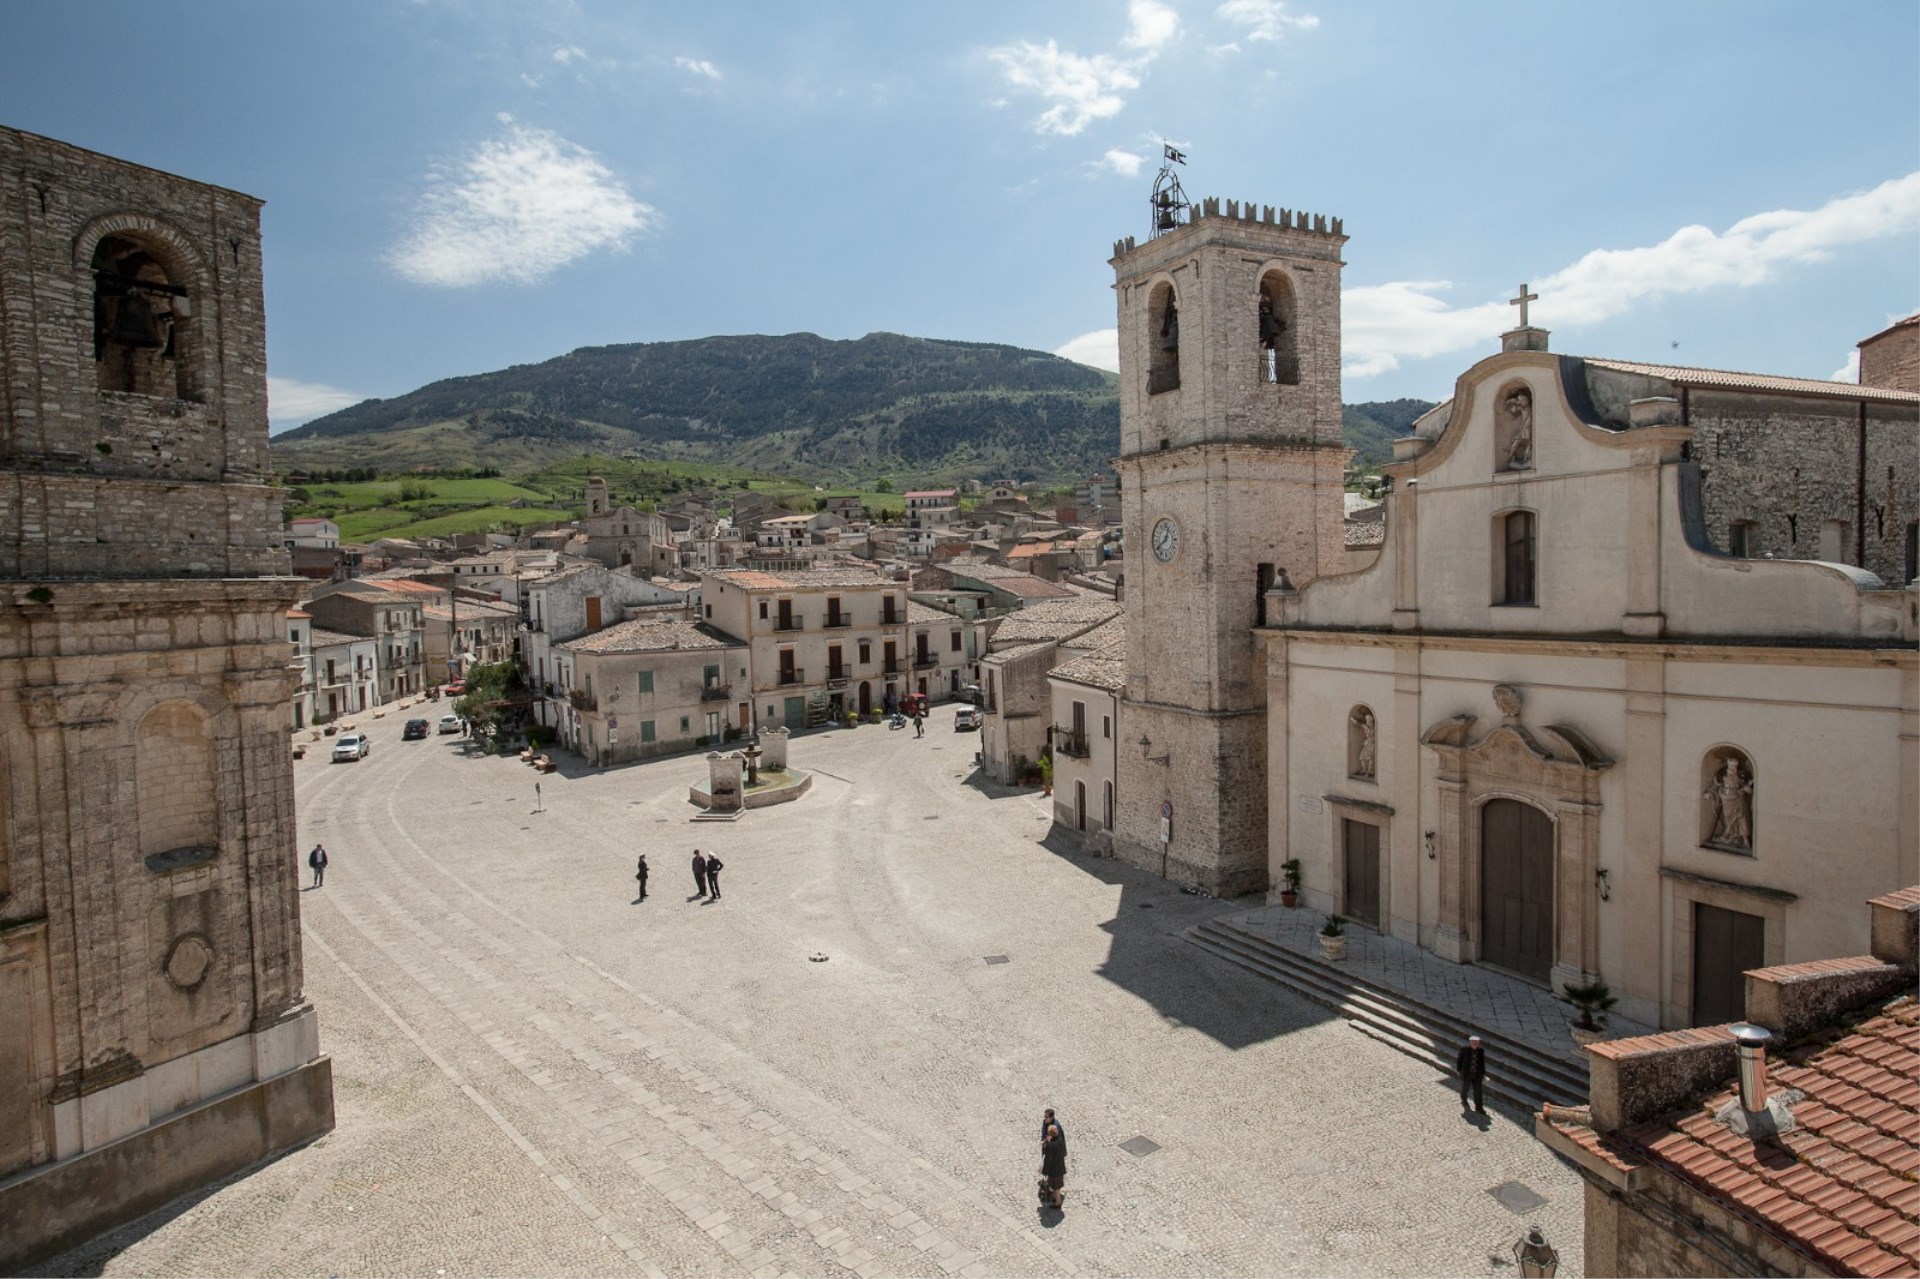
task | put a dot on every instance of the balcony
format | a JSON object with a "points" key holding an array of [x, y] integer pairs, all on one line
{"points": [[790, 622], [791, 676], [921, 661], [892, 666], [716, 692], [1069, 743], [838, 621], [839, 674], [582, 700]]}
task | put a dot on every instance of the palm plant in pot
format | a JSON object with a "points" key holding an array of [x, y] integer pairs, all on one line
{"points": [[1594, 1001], [1290, 882], [1333, 937]]}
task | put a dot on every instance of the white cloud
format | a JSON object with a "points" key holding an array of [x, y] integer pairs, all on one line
{"points": [[1265, 19], [699, 66], [1386, 323], [290, 402], [1082, 87], [1124, 163], [519, 208], [568, 53], [1100, 348], [1850, 371], [1151, 26]]}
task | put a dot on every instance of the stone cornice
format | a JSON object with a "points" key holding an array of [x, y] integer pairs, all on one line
{"points": [[1669, 647]]}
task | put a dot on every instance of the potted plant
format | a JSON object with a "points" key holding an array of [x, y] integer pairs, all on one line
{"points": [[1046, 771], [1290, 886], [1594, 1001], [1333, 937]]}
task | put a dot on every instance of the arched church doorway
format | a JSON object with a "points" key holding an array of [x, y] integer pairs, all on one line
{"points": [[1516, 888], [866, 699]]}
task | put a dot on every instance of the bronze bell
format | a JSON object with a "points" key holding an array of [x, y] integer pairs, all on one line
{"points": [[133, 323], [1165, 222]]}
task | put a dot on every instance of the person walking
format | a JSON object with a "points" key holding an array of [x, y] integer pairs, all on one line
{"points": [[699, 874], [640, 874], [1053, 1165], [1471, 1066], [714, 867], [318, 860], [919, 723]]}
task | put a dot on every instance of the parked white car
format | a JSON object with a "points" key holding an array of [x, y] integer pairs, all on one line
{"points": [[449, 723], [351, 746]]}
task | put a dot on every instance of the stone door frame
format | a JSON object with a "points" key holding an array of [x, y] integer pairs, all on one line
{"points": [[1555, 769]]}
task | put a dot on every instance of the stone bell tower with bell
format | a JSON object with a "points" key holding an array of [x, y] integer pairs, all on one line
{"points": [[1232, 461]]}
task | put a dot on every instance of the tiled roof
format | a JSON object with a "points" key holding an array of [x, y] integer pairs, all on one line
{"points": [[1105, 667], [294, 612], [1028, 587], [657, 634], [1840, 1187], [408, 584], [798, 579], [1110, 632], [919, 614], [318, 638], [1352, 534], [1055, 620], [1724, 380]]}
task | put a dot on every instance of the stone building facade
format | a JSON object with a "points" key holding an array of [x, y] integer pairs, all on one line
{"points": [[1230, 434], [153, 1032]]}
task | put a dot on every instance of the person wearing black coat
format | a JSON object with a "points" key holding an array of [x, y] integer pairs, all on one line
{"points": [[699, 874], [640, 874], [1471, 1065], [1053, 1163], [714, 867]]}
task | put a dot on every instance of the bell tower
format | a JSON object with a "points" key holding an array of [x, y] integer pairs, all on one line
{"points": [[1232, 461]]}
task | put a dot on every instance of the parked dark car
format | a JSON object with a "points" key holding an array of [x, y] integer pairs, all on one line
{"points": [[415, 730]]}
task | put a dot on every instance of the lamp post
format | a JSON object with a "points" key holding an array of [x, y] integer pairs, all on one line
{"points": [[1535, 1255]]}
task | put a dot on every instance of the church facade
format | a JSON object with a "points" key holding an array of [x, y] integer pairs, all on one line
{"points": [[1628, 696], [154, 1036]]}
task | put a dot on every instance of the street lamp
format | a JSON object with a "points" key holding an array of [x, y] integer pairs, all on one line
{"points": [[1535, 1255]]}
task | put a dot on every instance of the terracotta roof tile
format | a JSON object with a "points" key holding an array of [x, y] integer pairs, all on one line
{"points": [[1726, 380]]}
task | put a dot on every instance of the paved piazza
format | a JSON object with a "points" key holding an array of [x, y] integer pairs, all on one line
{"points": [[536, 1076]]}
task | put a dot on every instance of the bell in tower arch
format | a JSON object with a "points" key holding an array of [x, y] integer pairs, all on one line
{"points": [[134, 324]]}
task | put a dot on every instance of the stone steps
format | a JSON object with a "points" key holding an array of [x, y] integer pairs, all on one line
{"points": [[1516, 1071]]}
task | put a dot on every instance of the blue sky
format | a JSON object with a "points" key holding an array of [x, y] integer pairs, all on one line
{"points": [[459, 185]]}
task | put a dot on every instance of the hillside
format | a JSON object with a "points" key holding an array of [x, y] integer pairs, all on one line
{"points": [[832, 412]]}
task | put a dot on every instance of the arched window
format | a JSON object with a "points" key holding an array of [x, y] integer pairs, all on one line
{"points": [[141, 320], [1516, 555], [1278, 330], [1163, 339], [1726, 800]]}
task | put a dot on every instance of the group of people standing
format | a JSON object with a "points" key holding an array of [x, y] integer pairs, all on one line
{"points": [[706, 876]]}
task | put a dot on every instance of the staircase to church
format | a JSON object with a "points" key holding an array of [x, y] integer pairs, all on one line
{"points": [[1516, 1071]]}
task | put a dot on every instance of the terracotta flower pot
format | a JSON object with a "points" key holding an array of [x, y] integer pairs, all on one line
{"points": [[1582, 1036], [1289, 897], [1332, 947]]}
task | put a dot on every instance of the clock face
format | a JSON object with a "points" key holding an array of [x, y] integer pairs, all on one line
{"points": [[1166, 540]]}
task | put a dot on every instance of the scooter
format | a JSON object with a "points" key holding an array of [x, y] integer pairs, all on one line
{"points": [[896, 720]]}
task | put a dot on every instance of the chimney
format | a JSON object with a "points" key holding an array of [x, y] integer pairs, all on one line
{"points": [[1753, 1041]]}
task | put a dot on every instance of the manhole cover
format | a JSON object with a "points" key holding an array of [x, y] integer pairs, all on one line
{"points": [[1140, 1147], [998, 959], [1516, 1198]]}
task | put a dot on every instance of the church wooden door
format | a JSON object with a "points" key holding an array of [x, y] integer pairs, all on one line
{"points": [[1362, 840], [1516, 888], [1725, 944]]}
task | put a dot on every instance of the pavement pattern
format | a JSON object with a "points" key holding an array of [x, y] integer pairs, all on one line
{"points": [[537, 1075]]}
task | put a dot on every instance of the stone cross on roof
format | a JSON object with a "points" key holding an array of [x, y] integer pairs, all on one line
{"points": [[1521, 302]]}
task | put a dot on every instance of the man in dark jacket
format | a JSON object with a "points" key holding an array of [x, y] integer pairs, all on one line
{"points": [[714, 867], [640, 874], [699, 874], [318, 860], [1053, 1164], [1471, 1065]]}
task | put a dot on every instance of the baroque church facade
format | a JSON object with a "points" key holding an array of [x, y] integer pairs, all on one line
{"points": [[1581, 720], [154, 1035]]}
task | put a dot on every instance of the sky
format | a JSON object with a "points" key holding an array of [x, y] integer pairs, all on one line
{"points": [[455, 186]]}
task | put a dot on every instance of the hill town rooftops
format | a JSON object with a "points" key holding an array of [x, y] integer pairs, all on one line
{"points": [[750, 579], [653, 634]]}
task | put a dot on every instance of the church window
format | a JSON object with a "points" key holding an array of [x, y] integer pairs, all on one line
{"points": [[1163, 339], [141, 334], [1516, 559], [646, 681], [1278, 330], [1740, 539]]}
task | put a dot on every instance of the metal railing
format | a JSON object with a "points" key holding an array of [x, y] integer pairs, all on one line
{"points": [[924, 660], [715, 692], [1069, 743], [837, 621], [788, 678], [790, 622]]}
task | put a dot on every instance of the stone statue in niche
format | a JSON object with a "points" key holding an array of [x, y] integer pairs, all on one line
{"points": [[1366, 748], [1731, 794], [1516, 412]]}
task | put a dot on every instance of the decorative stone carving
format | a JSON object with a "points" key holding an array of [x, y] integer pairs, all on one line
{"points": [[188, 961], [1507, 699], [1362, 743], [1727, 801], [1516, 429]]}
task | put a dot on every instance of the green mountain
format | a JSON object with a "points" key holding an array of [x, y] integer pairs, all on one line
{"points": [[1371, 428], [834, 412]]}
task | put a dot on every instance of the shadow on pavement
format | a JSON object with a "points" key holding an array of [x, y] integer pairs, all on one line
{"points": [[1152, 961]]}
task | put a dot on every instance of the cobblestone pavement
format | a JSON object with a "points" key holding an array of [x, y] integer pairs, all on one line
{"points": [[1505, 1005], [535, 1075]]}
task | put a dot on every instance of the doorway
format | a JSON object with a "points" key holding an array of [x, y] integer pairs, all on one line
{"points": [[1362, 872], [1080, 806], [1726, 943], [866, 699], [1516, 888]]}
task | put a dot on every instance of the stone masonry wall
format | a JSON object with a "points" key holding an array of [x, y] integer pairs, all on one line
{"points": [[1892, 358]]}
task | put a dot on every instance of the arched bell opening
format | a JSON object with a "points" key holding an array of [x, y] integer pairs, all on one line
{"points": [[1278, 330], [1163, 339], [142, 319]]}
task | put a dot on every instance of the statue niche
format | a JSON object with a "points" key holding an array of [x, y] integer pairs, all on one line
{"points": [[1514, 429], [1726, 801], [1362, 744]]}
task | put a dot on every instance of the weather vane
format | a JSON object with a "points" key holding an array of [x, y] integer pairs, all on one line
{"points": [[1170, 205]]}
